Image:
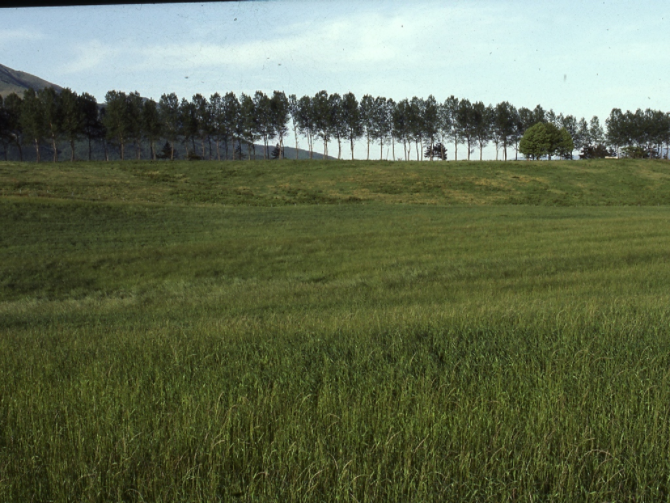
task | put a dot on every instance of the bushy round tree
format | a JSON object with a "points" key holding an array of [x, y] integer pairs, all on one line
{"points": [[545, 139]]}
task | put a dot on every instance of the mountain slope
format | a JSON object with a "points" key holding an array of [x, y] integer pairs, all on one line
{"points": [[14, 81]]}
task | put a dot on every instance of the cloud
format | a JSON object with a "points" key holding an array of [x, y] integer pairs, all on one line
{"points": [[93, 55], [9, 38], [356, 41]]}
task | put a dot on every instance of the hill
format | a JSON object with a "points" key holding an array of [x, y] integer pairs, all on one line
{"points": [[15, 81], [288, 182]]}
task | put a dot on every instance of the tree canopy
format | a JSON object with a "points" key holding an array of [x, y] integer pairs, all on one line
{"points": [[545, 139], [220, 126]]}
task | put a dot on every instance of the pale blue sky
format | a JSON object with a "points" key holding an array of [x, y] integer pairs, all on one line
{"points": [[580, 58]]}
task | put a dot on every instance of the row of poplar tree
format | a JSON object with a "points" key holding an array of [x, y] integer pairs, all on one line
{"points": [[216, 128]]}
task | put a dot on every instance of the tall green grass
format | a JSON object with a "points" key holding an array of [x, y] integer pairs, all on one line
{"points": [[342, 352]]}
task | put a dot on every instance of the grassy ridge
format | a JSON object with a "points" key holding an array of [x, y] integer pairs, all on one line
{"points": [[341, 352], [272, 183]]}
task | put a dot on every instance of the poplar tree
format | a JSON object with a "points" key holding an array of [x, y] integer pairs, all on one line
{"points": [[401, 127], [279, 117], [294, 110], [583, 137], [367, 107], [465, 124], [322, 119], [381, 123], [203, 118], [481, 125], [217, 113], [569, 123], [596, 133], [170, 118], [32, 120], [306, 121], [134, 105], [151, 125], [50, 108], [263, 119], [248, 123], [351, 118], [430, 122], [416, 124], [116, 119], [92, 127], [232, 122], [71, 117], [337, 125], [615, 129], [504, 124], [12, 113], [189, 124]]}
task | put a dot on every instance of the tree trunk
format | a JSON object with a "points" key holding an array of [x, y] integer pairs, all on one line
{"points": [[393, 147], [172, 151], [351, 139], [37, 151], [20, 151], [481, 148], [122, 150], [104, 146], [368, 148], [218, 152], [89, 148], [55, 147], [456, 149], [72, 149], [339, 148], [381, 149]]}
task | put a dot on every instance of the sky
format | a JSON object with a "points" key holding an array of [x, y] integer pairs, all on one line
{"points": [[575, 57]]}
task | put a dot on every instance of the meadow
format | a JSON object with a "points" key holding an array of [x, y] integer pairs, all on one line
{"points": [[335, 331]]}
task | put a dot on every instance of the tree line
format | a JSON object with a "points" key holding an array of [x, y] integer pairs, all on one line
{"points": [[217, 127]]}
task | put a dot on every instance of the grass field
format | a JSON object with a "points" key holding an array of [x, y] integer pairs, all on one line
{"points": [[335, 331]]}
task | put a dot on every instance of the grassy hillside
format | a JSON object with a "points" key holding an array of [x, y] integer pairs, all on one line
{"points": [[287, 182], [329, 331], [14, 81]]}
